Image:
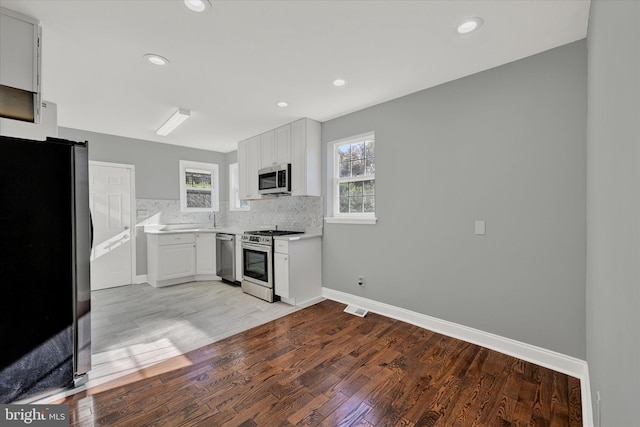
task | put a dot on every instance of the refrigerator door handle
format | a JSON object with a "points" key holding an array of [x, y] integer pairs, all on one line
{"points": [[91, 232]]}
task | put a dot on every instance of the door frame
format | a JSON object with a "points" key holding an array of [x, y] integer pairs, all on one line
{"points": [[132, 191]]}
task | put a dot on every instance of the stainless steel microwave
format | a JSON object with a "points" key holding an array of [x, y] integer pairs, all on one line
{"points": [[275, 180]]}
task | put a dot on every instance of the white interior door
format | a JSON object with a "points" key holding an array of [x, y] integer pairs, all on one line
{"points": [[110, 201]]}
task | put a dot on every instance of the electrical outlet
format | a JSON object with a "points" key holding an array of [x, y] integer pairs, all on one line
{"points": [[361, 280]]}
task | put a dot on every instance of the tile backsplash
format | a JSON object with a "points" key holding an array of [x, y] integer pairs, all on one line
{"points": [[292, 213], [154, 211]]}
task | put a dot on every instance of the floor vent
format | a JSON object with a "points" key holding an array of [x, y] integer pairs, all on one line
{"points": [[357, 311]]}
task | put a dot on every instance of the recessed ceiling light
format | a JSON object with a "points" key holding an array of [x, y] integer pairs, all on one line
{"points": [[158, 60], [282, 104], [197, 5], [340, 82], [469, 25]]}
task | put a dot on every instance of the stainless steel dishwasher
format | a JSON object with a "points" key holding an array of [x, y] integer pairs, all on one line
{"points": [[226, 257]]}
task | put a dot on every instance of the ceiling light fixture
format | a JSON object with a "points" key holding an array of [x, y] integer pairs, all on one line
{"points": [[339, 82], [174, 121], [157, 60], [197, 5], [469, 25], [282, 104]]}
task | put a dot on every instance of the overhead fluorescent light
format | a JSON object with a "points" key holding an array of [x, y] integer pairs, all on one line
{"points": [[174, 121]]}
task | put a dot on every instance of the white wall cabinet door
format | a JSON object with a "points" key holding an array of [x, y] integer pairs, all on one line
{"points": [[253, 164], [20, 51], [305, 158], [282, 145], [281, 274], [243, 170], [249, 162], [267, 149], [176, 261], [206, 253]]}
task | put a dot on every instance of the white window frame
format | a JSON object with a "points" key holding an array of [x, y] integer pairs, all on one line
{"points": [[215, 190], [334, 216], [235, 204]]}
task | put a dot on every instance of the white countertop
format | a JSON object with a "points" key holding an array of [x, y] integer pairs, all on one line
{"points": [[159, 229], [237, 230], [293, 237]]}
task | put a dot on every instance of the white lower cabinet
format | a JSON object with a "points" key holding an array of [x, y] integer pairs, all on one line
{"points": [[205, 253], [180, 257], [239, 263], [281, 273], [176, 261], [297, 270]]}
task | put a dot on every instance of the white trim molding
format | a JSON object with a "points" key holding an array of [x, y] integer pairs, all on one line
{"points": [[140, 278], [540, 356], [350, 220], [211, 168]]}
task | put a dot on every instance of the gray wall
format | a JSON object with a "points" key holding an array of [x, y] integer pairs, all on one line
{"points": [[157, 170], [613, 272], [506, 146]]}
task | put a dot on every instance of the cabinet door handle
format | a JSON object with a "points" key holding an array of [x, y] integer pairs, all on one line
{"points": [[286, 258]]}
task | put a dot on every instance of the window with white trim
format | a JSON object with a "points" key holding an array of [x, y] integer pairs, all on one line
{"points": [[354, 179], [198, 187], [235, 204]]}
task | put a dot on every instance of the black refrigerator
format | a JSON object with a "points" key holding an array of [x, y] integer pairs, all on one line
{"points": [[45, 299]]}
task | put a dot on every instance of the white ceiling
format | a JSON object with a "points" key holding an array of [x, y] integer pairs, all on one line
{"points": [[230, 65]]}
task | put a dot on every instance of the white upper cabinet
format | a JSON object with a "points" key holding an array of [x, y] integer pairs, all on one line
{"points": [[267, 149], [249, 161], [19, 67], [297, 143], [282, 145], [19, 51], [243, 169], [305, 158], [275, 147]]}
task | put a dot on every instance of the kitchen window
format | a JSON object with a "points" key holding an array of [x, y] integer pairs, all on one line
{"points": [[235, 204], [352, 165], [198, 187]]}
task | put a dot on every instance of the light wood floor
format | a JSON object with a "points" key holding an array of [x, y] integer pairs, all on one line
{"points": [[320, 366], [136, 326]]}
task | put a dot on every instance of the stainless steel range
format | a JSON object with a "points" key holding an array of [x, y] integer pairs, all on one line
{"points": [[257, 264]]}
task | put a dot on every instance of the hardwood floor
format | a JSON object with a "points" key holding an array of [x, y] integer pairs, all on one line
{"points": [[136, 326], [320, 366]]}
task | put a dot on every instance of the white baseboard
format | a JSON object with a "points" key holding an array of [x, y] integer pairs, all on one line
{"points": [[540, 356], [310, 302], [140, 278]]}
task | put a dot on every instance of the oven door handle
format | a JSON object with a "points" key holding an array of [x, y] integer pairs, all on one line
{"points": [[256, 247]]}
